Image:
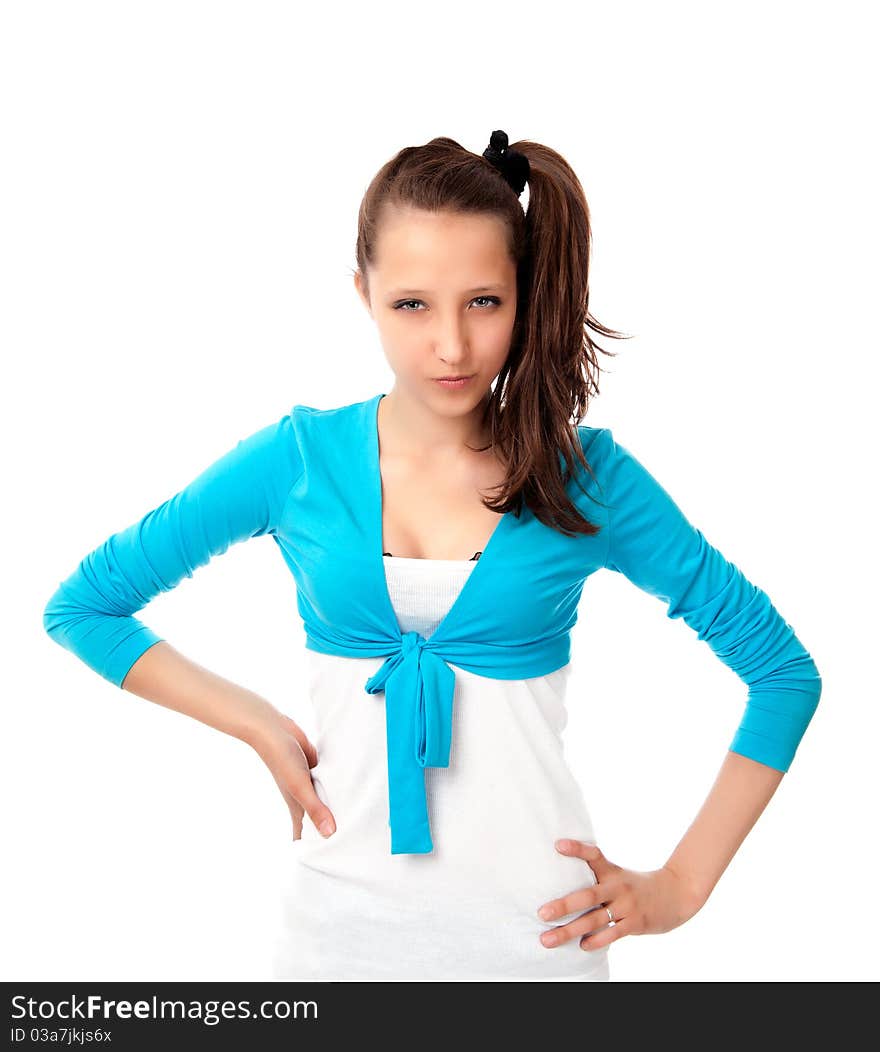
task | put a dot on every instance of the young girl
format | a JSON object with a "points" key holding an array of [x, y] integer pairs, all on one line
{"points": [[440, 536]]}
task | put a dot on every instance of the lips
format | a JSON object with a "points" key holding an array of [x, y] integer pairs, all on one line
{"points": [[453, 384]]}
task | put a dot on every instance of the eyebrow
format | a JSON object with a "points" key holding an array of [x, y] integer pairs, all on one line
{"points": [[424, 292]]}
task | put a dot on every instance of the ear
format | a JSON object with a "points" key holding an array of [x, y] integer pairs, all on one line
{"points": [[361, 291]]}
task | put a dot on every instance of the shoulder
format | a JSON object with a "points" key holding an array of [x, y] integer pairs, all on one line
{"points": [[331, 433], [280, 446], [620, 476], [590, 436], [628, 483], [315, 417], [605, 452], [600, 448]]}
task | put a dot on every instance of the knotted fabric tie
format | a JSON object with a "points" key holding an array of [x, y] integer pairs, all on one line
{"points": [[419, 688]]}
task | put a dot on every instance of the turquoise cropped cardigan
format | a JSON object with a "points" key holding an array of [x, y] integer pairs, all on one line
{"points": [[311, 481]]}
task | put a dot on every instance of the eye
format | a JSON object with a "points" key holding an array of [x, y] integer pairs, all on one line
{"points": [[492, 300]]}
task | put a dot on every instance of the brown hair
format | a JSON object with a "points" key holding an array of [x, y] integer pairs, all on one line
{"points": [[552, 369]]}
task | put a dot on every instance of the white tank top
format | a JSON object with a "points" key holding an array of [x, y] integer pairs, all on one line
{"points": [[467, 910]]}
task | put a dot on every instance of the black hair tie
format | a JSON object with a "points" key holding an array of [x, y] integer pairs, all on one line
{"points": [[512, 164]]}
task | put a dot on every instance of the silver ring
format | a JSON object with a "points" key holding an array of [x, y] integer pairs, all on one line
{"points": [[611, 919]]}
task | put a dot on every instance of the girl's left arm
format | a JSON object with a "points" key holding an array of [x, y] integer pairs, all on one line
{"points": [[735, 802], [653, 544], [655, 901]]}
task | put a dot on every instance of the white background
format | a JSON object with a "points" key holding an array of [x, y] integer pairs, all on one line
{"points": [[179, 203]]}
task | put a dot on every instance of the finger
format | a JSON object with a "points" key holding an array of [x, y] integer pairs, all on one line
{"points": [[294, 778], [576, 901], [589, 852], [303, 789], [296, 813], [597, 939], [308, 749], [588, 922], [580, 899]]}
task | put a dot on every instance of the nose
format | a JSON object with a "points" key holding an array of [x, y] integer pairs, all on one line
{"points": [[451, 343]]}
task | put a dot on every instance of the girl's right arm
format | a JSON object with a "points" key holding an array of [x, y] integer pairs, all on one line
{"points": [[165, 676], [91, 613]]}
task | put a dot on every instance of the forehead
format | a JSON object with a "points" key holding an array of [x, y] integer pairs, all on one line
{"points": [[419, 250]]}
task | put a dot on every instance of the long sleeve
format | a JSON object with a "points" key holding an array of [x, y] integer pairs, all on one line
{"points": [[240, 495], [653, 544]]}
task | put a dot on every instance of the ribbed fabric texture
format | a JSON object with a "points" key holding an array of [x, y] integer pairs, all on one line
{"points": [[422, 591]]}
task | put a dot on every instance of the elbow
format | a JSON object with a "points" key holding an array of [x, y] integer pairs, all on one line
{"points": [[815, 684], [809, 683], [817, 690], [56, 614], [806, 682], [51, 615]]}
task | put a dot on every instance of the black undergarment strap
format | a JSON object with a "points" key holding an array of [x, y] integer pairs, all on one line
{"points": [[472, 559]]}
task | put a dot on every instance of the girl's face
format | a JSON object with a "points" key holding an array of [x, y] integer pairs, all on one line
{"points": [[443, 295]]}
